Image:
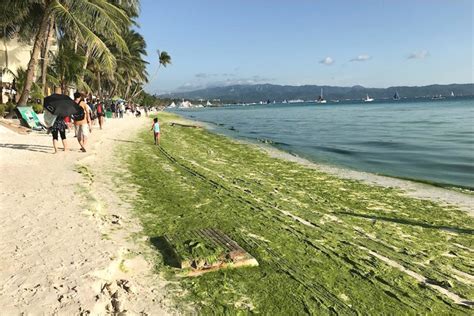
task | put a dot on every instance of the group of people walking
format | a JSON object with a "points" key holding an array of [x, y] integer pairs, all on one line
{"points": [[93, 111], [82, 123]]}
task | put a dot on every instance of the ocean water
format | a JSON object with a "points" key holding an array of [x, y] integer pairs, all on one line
{"points": [[428, 141]]}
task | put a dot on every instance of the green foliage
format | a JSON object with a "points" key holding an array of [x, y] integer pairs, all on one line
{"points": [[38, 108], [313, 234]]}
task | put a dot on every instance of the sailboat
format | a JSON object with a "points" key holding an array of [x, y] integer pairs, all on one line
{"points": [[368, 99], [208, 103], [321, 98], [452, 93], [396, 96]]}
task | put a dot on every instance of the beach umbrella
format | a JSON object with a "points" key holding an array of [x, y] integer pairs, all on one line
{"points": [[61, 105]]}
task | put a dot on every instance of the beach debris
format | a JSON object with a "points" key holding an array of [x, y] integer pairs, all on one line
{"points": [[207, 250], [184, 125]]}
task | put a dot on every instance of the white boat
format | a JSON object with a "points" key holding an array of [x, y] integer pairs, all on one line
{"points": [[186, 104], [368, 99], [208, 103], [452, 93], [172, 105], [396, 96], [321, 98]]}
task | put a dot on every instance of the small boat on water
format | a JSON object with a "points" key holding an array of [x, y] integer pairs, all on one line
{"points": [[396, 96], [335, 101], [208, 103], [452, 93], [321, 98], [438, 97], [368, 99]]}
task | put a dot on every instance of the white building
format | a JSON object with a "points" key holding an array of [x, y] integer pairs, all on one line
{"points": [[14, 55]]}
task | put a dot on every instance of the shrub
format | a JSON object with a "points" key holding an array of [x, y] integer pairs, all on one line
{"points": [[10, 106], [38, 108], [2, 109]]}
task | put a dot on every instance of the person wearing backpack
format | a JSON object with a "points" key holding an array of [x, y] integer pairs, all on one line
{"points": [[82, 121]]}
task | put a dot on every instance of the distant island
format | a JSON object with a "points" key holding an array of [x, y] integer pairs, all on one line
{"points": [[263, 92]]}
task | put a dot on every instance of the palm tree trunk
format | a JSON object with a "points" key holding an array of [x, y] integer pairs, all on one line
{"points": [[44, 68], [99, 86], [35, 54], [84, 67], [135, 91], [128, 90], [6, 60]]}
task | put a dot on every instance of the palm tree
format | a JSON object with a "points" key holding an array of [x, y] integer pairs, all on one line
{"points": [[67, 68], [72, 18], [164, 59]]}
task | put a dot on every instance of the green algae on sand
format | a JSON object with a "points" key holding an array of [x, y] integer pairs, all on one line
{"points": [[325, 245]]}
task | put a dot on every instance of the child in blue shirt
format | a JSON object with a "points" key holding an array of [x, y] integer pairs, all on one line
{"points": [[156, 131]]}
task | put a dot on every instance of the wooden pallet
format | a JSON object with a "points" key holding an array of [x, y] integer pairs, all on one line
{"points": [[232, 256]]}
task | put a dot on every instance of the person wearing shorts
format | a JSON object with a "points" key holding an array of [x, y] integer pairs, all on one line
{"points": [[59, 127], [156, 131], [83, 127]]}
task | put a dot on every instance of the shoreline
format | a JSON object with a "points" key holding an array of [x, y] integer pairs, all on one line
{"points": [[412, 188]]}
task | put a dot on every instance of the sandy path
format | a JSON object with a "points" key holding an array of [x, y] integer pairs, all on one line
{"points": [[64, 236]]}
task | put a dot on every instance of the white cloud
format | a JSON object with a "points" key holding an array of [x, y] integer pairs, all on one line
{"points": [[327, 61], [422, 54], [361, 58]]}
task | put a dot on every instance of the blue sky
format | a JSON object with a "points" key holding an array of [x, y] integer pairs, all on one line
{"points": [[353, 42]]}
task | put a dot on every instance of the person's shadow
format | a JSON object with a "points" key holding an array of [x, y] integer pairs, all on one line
{"points": [[29, 147]]}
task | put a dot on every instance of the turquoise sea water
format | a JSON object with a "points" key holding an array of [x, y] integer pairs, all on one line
{"points": [[428, 140]]}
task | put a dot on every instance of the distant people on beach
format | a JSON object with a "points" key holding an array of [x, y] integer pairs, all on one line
{"points": [[121, 109], [82, 122], [100, 113], [92, 110], [59, 127], [156, 131], [113, 109]]}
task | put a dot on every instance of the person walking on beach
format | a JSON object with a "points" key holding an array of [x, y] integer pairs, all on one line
{"points": [[113, 109], [59, 127], [121, 109], [83, 123], [156, 131], [100, 113]]}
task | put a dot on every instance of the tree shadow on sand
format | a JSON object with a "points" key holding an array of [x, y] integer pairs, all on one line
{"points": [[410, 222], [29, 147], [169, 256]]}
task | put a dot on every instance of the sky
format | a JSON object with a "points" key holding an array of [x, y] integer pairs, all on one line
{"points": [[373, 43]]}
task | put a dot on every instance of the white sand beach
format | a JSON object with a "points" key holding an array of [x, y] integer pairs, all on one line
{"points": [[65, 237]]}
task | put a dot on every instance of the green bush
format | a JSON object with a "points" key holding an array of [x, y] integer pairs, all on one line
{"points": [[10, 106], [2, 109], [38, 108]]}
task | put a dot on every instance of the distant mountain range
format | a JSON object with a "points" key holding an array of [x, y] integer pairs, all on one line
{"points": [[263, 92]]}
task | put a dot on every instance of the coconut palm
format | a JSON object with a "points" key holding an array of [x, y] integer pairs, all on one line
{"points": [[72, 18], [67, 68], [164, 59]]}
